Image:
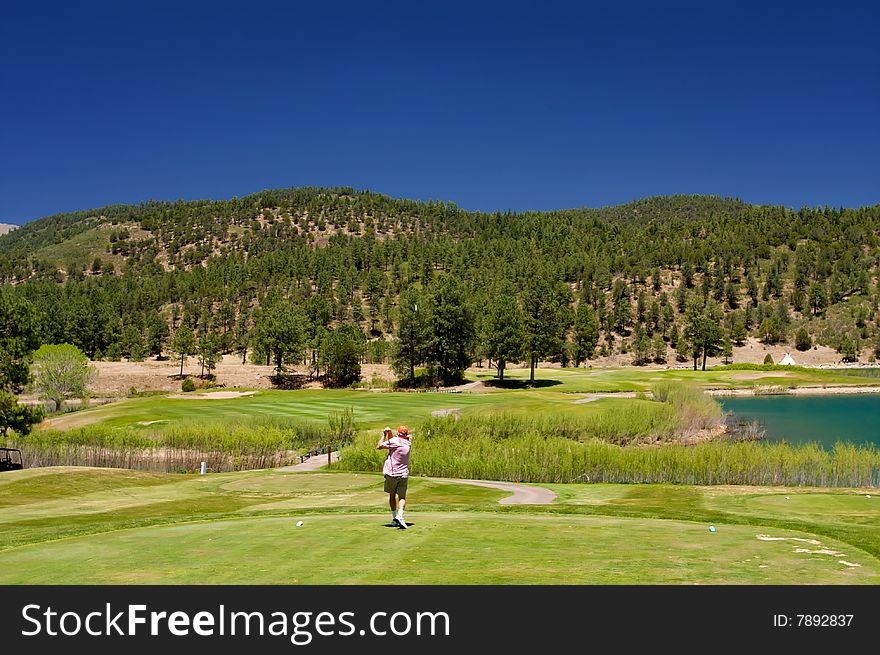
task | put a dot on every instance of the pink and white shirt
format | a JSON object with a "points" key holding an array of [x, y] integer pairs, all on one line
{"points": [[397, 463]]}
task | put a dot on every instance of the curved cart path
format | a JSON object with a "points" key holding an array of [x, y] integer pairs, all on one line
{"points": [[313, 463], [520, 494]]}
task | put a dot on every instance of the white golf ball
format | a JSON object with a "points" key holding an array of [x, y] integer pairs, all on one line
{"points": [[711, 528], [299, 524]]}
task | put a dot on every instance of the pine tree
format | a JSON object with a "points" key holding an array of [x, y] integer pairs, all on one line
{"points": [[586, 333], [504, 330], [342, 353], [183, 344], [412, 334], [547, 316], [280, 333], [208, 350], [703, 329], [451, 330]]}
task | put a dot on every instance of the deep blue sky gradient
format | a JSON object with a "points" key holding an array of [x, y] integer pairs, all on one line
{"points": [[520, 105]]}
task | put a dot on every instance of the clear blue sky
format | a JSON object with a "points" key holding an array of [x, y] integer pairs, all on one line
{"points": [[520, 105]]}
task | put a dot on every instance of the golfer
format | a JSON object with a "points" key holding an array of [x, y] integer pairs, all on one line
{"points": [[396, 470]]}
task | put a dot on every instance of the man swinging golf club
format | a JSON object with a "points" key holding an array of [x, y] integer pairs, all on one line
{"points": [[396, 470]]}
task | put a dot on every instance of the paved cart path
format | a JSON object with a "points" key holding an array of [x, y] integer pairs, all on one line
{"points": [[311, 464], [520, 494]]}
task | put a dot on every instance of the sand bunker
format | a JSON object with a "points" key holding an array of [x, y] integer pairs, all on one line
{"points": [[215, 395], [445, 412], [758, 376], [590, 397]]}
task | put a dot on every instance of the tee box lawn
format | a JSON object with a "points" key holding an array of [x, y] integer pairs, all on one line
{"points": [[110, 526]]}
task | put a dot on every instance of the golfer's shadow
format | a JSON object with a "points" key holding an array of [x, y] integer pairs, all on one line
{"points": [[397, 527]]}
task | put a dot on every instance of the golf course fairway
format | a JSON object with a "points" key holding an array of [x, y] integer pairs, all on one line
{"points": [[111, 526]]}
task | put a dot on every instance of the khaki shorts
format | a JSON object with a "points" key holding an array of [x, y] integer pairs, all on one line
{"points": [[396, 485]]}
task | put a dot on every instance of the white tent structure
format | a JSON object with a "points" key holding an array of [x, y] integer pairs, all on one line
{"points": [[787, 360]]}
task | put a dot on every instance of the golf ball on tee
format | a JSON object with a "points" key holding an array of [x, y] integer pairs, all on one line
{"points": [[711, 528], [299, 524]]}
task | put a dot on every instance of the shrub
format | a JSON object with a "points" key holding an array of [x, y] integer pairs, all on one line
{"points": [[61, 372], [16, 417], [188, 385], [768, 359], [802, 340]]}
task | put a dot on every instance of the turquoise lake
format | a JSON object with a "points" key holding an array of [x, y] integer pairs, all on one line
{"points": [[822, 419]]}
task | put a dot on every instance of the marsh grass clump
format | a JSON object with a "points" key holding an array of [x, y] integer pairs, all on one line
{"points": [[770, 390], [692, 409], [745, 431], [342, 426]]}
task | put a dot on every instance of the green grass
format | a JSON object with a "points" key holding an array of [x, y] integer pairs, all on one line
{"points": [[555, 394], [82, 249], [370, 409], [81, 526], [585, 380]]}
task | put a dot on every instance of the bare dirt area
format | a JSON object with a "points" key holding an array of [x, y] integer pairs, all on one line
{"points": [[754, 352], [115, 379]]}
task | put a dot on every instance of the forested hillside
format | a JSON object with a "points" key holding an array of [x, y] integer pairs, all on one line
{"points": [[279, 275]]}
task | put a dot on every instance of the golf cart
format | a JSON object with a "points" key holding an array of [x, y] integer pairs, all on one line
{"points": [[10, 459]]}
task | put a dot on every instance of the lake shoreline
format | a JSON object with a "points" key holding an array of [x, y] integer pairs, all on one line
{"points": [[796, 391]]}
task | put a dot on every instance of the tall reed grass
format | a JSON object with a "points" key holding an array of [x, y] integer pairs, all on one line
{"points": [[230, 445], [621, 446], [535, 458]]}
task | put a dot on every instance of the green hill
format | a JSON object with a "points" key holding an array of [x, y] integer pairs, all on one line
{"points": [[101, 278]]}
